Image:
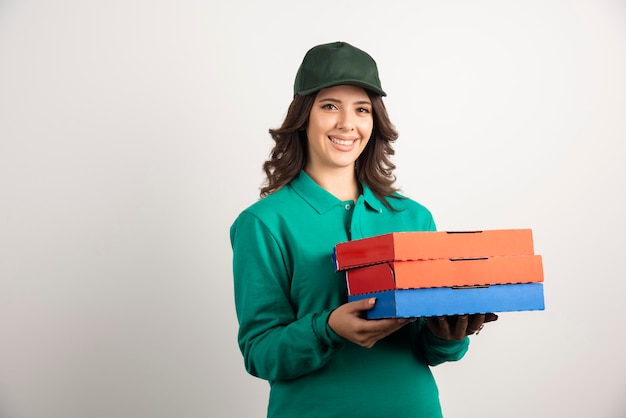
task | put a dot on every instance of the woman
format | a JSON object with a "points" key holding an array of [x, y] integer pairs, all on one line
{"points": [[330, 180]]}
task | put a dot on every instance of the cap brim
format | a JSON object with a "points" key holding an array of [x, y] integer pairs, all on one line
{"points": [[358, 83]]}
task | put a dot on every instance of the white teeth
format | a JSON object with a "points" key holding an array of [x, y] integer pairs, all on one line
{"points": [[341, 141]]}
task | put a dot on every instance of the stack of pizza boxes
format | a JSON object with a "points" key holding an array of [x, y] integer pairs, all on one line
{"points": [[414, 274]]}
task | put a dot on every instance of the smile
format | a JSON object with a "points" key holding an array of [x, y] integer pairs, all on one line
{"points": [[342, 141]]}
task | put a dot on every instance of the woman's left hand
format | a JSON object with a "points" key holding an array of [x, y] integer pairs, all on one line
{"points": [[457, 327]]}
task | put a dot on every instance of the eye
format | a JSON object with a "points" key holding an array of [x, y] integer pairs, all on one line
{"points": [[329, 106], [363, 110]]}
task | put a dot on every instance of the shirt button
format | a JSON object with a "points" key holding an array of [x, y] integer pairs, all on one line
{"points": [[348, 207]]}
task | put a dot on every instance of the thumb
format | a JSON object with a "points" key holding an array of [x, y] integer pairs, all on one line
{"points": [[364, 304]]}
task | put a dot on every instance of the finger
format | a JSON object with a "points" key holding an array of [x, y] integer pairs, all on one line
{"points": [[361, 305], [443, 326], [490, 317], [432, 323], [384, 326], [377, 329], [475, 322], [460, 327]]}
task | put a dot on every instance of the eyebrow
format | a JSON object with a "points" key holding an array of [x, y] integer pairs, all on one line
{"points": [[330, 99]]}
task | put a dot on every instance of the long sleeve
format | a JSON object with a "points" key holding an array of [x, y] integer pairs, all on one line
{"points": [[436, 351], [275, 343]]}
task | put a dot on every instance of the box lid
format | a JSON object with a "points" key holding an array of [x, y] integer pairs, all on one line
{"points": [[403, 246]]}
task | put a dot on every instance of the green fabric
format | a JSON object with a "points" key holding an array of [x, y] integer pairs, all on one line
{"points": [[333, 64], [285, 288]]}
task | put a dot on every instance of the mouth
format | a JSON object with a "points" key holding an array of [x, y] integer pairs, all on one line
{"points": [[342, 141]]}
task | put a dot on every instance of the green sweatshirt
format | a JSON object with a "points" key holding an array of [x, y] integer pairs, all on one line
{"points": [[286, 287]]}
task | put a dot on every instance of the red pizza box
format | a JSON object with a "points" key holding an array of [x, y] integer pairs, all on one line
{"points": [[444, 273], [404, 246]]}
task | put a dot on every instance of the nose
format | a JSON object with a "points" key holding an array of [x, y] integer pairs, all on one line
{"points": [[345, 121]]}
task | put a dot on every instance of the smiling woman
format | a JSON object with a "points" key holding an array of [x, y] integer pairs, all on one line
{"points": [[339, 128], [329, 180]]}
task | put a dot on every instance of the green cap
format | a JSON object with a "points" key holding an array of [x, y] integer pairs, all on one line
{"points": [[333, 64]]}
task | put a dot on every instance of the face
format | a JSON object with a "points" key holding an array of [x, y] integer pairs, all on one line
{"points": [[340, 125]]}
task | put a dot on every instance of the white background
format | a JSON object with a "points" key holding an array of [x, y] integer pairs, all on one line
{"points": [[133, 132]]}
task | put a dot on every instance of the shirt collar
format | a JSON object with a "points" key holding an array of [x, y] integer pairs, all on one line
{"points": [[370, 199], [321, 200]]}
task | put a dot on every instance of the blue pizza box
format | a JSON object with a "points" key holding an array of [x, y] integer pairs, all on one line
{"points": [[438, 301]]}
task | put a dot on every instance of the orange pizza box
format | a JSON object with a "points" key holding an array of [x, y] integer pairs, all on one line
{"points": [[453, 272], [404, 246]]}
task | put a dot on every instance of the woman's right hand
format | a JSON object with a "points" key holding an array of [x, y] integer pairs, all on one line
{"points": [[347, 321]]}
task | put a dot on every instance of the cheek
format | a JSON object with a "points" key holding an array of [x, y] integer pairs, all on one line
{"points": [[367, 129], [311, 129], [315, 127], [364, 143]]}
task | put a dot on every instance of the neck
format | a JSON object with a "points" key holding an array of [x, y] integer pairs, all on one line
{"points": [[341, 183]]}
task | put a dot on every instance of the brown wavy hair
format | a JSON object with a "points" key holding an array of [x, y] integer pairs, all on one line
{"points": [[289, 155]]}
